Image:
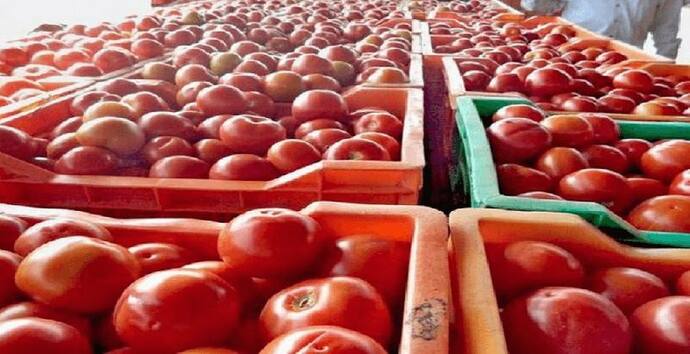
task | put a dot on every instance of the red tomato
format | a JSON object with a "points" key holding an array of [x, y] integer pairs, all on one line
{"points": [[666, 160], [283, 86], [37, 335], [337, 301], [605, 129], [87, 160], [379, 122], [113, 58], [638, 80], [388, 142], [34, 309], [174, 310], [565, 320], [356, 149], [250, 134], [221, 99], [211, 150], [515, 179], [569, 130], [246, 290], [681, 184], [50, 275], [628, 288], [10, 229], [243, 167], [253, 242], [329, 339], [529, 265], [382, 263], [560, 161], [165, 146], [669, 213], [292, 154], [662, 326], [646, 188], [53, 229], [317, 124], [208, 350], [259, 103], [15, 142], [540, 195], [319, 104], [547, 82], [9, 262], [519, 111], [145, 102], [633, 149], [597, 185], [517, 139], [179, 167], [189, 92], [683, 284], [606, 157], [160, 256], [322, 139]]}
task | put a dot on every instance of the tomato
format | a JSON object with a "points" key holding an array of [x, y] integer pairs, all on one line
{"points": [[337, 301], [193, 73], [64, 58], [633, 149], [221, 99], [388, 142], [251, 134], [208, 350], [253, 242], [515, 179], [119, 135], [108, 109], [597, 185], [683, 284], [50, 275], [189, 92], [307, 64], [147, 48], [319, 104], [646, 188], [547, 82], [379, 122], [666, 160], [569, 130], [37, 335], [283, 86], [356, 149], [173, 310], [605, 129], [681, 183], [242, 81], [628, 288], [662, 326], [34, 309], [669, 213], [519, 111], [322, 139], [243, 167], [179, 167], [224, 63], [529, 265], [53, 229], [10, 229], [15, 142], [540, 195], [292, 154], [317, 124], [87, 160], [382, 263], [475, 80], [145, 102], [517, 139], [153, 257], [164, 146], [119, 87], [211, 150], [260, 104], [559, 320], [330, 339], [638, 80], [9, 262], [244, 286], [156, 124], [606, 157], [113, 58]]}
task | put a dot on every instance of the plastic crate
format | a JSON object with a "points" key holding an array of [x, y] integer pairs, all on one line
{"points": [[376, 182], [477, 328], [56, 87], [548, 22], [425, 325], [476, 174], [636, 56]]}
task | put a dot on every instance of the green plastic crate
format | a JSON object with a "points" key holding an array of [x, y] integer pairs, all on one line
{"points": [[476, 177]]}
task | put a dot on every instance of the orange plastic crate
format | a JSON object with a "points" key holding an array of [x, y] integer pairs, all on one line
{"points": [[477, 328], [425, 326], [376, 182]]}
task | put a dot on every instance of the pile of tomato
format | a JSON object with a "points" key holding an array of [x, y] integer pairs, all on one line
{"points": [[278, 284], [553, 302]]}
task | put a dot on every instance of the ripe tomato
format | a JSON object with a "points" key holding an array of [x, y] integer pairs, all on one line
{"points": [[179, 167], [540, 195], [50, 275], [382, 263], [260, 104], [145, 102], [337, 301], [53, 229], [681, 184], [211, 150], [153, 257], [628, 288], [173, 310], [683, 284], [221, 99], [517, 139], [317, 124], [669, 213], [633, 149], [10, 229], [253, 242], [547, 82], [379, 122], [529, 265], [34, 309], [645, 188], [606, 157], [597, 185], [251, 134], [283, 86], [9, 262], [189, 92], [87, 160], [560, 320], [292, 154], [519, 111], [164, 146], [208, 350], [666, 160], [329, 339], [388, 142], [243, 167], [322, 139], [605, 129], [638, 80], [662, 325], [37, 335], [356, 149], [244, 286], [560, 161], [119, 135], [319, 104], [15, 142], [242, 81], [515, 179], [569, 130]]}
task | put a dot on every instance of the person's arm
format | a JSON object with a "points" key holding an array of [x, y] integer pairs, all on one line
{"points": [[665, 28], [543, 7]]}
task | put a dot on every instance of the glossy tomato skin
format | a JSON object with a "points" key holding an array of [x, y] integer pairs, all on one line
{"points": [[569, 130], [597, 185], [319, 104], [519, 111], [35, 309], [683, 284], [388, 142], [37, 335], [209, 350], [322, 139], [669, 213], [515, 179], [663, 325], [9, 262], [331, 339], [356, 149], [560, 161], [179, 166], [540, 195], [251, 135], [681, 184], [253, 243], [666, 160], [53, 229], [646, 188], [627, 288], [87, 160], [379, 122], [10, 227], [606, 157], [383, 263], [174, 310], [158, 256], [243, 167], [77, 286], [633, 149], [517, 139], [337, 301], [559, 320], [292, 154], [605, 129]]}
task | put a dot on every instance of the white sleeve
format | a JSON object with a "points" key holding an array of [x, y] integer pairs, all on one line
{"points": [[546, 7], [665, 28]]}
